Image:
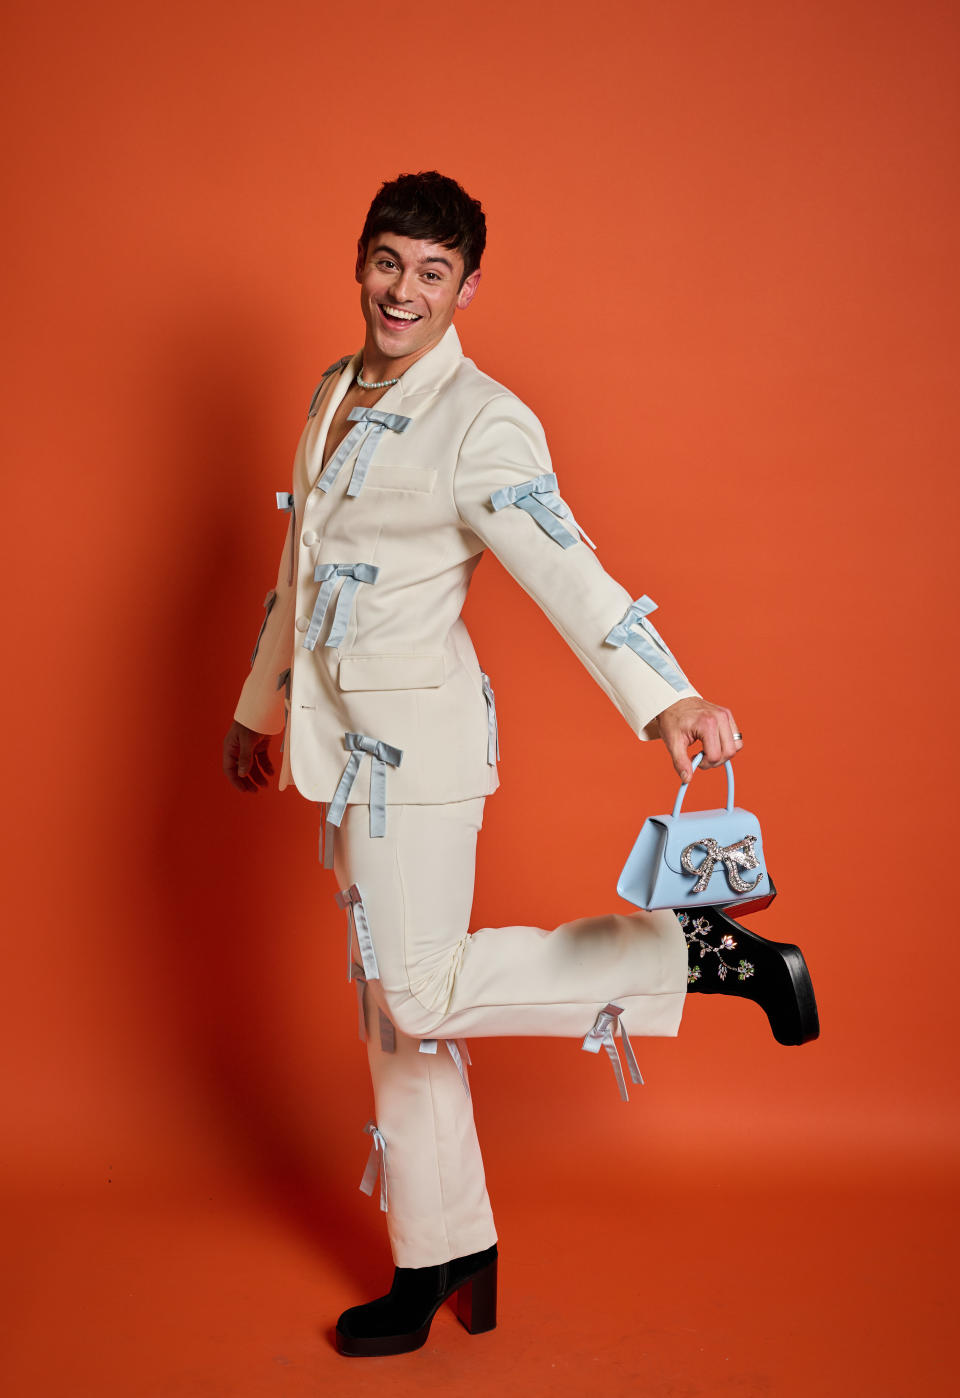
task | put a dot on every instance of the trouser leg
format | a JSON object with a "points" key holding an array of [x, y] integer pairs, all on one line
{"points": [[437, 1202], [438, 980], [434, 980]]}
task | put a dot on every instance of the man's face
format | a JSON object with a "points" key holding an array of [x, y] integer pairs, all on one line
{"points": [[409, 290]]}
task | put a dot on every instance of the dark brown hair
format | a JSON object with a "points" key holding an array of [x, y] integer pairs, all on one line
{"points": [[433, 207]]}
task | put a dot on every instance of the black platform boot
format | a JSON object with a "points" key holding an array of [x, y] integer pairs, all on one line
{"points": [[723, 958], [400, 1321]]}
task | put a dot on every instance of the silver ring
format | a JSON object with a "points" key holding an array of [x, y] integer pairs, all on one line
{"points": [[738, 735]]}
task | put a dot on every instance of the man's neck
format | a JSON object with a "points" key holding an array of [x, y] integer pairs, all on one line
{"points": [[377, 368]]}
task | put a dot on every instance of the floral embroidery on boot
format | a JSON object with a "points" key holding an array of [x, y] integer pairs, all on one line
{"points": [[695, 932]]}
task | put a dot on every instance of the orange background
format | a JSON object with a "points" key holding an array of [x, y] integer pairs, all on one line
{"points": [[720, 269]]}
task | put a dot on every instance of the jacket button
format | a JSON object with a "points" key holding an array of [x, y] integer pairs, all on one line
{"points": [[302, 623], [308, 537]]}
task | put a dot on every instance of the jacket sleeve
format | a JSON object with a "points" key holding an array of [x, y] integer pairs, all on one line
{"points": [[506, 494], [261, 705]]}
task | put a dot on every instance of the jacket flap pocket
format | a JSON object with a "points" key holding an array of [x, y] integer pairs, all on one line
{"points": [[383, 477], [391, 671]]}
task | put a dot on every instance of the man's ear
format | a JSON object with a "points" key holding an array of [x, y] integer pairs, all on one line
{"points": [[468, 291], [361, 259]]}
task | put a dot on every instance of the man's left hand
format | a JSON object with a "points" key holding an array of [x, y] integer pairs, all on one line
{"points": [[689, 719]]}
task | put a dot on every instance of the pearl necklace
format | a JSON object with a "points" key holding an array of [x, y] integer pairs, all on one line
{"points": [[386, 383]]}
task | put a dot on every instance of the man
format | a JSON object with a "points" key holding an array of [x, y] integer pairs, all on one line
{"points": [[412, 462]]}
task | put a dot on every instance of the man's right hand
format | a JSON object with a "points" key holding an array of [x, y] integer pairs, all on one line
{"points": [[246, 759]]}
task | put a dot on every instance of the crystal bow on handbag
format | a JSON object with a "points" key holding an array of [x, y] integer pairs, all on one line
{"points": [[698, 858]]}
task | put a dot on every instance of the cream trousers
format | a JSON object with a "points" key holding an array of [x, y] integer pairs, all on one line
{"points": [[427, 979]]}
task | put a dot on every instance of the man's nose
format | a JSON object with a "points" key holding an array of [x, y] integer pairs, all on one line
{"points": [[403, 285]]}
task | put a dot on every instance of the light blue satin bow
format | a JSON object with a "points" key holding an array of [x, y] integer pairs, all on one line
{"points": [[458, 1051], [601, 1036], [370, 427], [268, 602], [382, 755], [376, 1165], [493, 732], [353, 575], [285, 502], [540, 500], [359, 927], [647, 641]]}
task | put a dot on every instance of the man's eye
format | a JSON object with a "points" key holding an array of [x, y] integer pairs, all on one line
{"points": [[434, 275]]}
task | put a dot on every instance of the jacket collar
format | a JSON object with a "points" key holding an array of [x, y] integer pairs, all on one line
{"points": [[421, 381], [424, 377]]}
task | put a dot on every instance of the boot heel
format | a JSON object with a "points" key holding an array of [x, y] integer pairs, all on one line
{"points": [[477, 1300]]}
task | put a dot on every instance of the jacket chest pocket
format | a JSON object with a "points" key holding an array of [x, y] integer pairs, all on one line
{"points": [[381, 476]]}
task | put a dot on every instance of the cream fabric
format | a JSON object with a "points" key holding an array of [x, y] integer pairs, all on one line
{"points": [[405, 672], [438, 981], [438, 1206]]}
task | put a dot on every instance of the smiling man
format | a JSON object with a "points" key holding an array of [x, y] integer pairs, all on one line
{"points": [[412, 462], [409, 291]]}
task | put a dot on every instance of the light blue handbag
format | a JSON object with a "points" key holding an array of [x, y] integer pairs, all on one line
{"points": [[698, 858]]}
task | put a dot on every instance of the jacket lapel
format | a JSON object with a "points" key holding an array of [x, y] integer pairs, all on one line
{"points": [[421, 381], [334, 395]]}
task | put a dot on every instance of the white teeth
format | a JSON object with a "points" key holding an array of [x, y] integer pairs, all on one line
{"points": [[397, 314]]}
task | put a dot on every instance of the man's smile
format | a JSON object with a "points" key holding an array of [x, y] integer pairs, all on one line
{"points": [[396, 318]]}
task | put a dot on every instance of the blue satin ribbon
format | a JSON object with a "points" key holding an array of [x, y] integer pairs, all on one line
{"points": [[382, 755], [647, 641], [268, 602], [376, 1165], [285, 502], [458, 1051], [602, 1036], [388, 1035], [370, 427], [331, 369], [326, 574], [359, 927], [493, 732], [325, 843], [540, 500], [356, 975]]}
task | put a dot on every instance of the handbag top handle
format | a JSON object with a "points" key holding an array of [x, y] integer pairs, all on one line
{"points": [[683, 785]]}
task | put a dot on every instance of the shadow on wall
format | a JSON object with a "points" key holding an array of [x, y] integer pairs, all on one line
{"points": [[247, 931]]}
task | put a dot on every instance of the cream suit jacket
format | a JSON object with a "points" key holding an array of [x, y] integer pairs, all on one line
{"points": [[452, 465]]}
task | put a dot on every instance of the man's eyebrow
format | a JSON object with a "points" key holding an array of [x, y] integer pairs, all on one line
{"points": [[385, 247]]}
